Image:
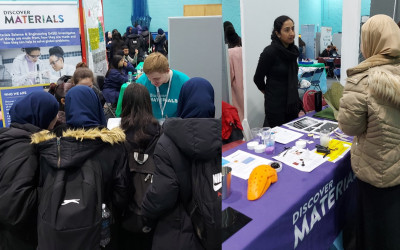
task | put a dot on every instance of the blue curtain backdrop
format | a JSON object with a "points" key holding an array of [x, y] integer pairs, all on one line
{"points": [[140, 13]]}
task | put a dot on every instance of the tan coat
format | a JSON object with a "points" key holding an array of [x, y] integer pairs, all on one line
{"points": [[370, 106]]}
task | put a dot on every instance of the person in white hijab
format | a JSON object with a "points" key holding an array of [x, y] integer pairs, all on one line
{"points": [[370, 111]]}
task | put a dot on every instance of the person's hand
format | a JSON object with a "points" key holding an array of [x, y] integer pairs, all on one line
{"points": [[32, 74], [136, 51], [46, 74], [125, 63]]}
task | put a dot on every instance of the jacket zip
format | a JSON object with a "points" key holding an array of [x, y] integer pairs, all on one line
{"points": [[58, 152]]}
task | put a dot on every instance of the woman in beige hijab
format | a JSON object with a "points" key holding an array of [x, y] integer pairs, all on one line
{"points": [[370, 111]]}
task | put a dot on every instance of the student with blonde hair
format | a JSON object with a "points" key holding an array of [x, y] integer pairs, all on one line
{"points": [[164, 85]]}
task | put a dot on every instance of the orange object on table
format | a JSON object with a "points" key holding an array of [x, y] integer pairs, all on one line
{"points": [[259, 181]]}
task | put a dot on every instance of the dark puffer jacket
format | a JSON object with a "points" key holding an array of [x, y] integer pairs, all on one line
{"points": [[96, 146], [112, 85], [185, 141], [18, 187]]}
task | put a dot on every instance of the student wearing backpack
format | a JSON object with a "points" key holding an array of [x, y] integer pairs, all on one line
{"points": [[19, 169], [160, 41], [134, 42], [147, 40], [82, 167], [188, 144], [142, 132]]}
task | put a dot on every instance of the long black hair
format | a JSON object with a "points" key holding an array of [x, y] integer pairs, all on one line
{"points": [[137, 113], [114, 63], [278, 23]]}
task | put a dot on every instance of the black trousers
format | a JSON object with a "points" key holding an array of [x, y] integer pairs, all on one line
{"points": [[378, 217], [277, 119]]}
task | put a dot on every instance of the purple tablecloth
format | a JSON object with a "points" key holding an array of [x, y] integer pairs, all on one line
{"points": [[300, 211]]}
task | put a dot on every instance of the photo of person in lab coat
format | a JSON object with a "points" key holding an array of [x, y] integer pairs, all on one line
{"points": [[60, 68], [28, 69]]}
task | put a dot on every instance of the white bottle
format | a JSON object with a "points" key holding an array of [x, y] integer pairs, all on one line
{"points": [[105, 234]]}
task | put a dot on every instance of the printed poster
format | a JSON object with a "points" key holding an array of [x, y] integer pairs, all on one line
{"points": [[39, 42], [96, 46], [12, 94], [326, 38]]}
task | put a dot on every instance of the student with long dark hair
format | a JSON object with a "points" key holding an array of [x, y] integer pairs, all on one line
{"points": [[278, 64], [114, 79], [142, 132]]}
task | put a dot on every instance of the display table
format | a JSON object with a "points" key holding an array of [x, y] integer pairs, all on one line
{"points": [[300, 211], [306, 67]]}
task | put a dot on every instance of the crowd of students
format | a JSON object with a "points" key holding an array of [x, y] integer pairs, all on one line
{"points": [[57, 156], [139, 42]]}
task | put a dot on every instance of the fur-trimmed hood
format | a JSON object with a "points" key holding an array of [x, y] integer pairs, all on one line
{"points": [[75, 145], [383, 81]]}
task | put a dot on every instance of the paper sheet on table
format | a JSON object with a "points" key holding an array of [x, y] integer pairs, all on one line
{"points": [[296, 157], [242, 163], [113, 123], [285, 136], [310, 125], [338, 150]]}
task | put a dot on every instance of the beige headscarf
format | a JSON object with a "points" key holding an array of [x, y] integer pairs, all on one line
{"points": [[380, 43], [380, 35]]}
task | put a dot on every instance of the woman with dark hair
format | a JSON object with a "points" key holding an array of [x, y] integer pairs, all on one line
{"points": [[232, 38], [28, 69], [117, 43], [60, 68], [236, 68], [278, 64], [142, 131], [114, 79], [19, 169], [192, 141]]}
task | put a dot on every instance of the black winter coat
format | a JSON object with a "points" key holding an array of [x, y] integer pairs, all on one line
{"points": [[133, 42], [18, 187], [274, 66], [185, 141], [159, 44], [97, 146], [146, 35]]}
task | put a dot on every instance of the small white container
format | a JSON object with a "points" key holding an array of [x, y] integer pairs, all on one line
{"points": [[251, 145], [279, 168], [301, 144], [260, 148]]}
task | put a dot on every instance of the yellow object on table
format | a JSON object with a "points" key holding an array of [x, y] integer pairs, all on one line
{"points": [[259, 181], [337, 149]]}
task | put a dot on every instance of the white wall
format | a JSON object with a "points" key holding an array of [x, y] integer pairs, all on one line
{"points": [[350, 37], [257, 19]]}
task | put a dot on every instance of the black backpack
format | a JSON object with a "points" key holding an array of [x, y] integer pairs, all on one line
{"points": [[142, 168], [204, 208], [134, 43], [69, 215]]}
